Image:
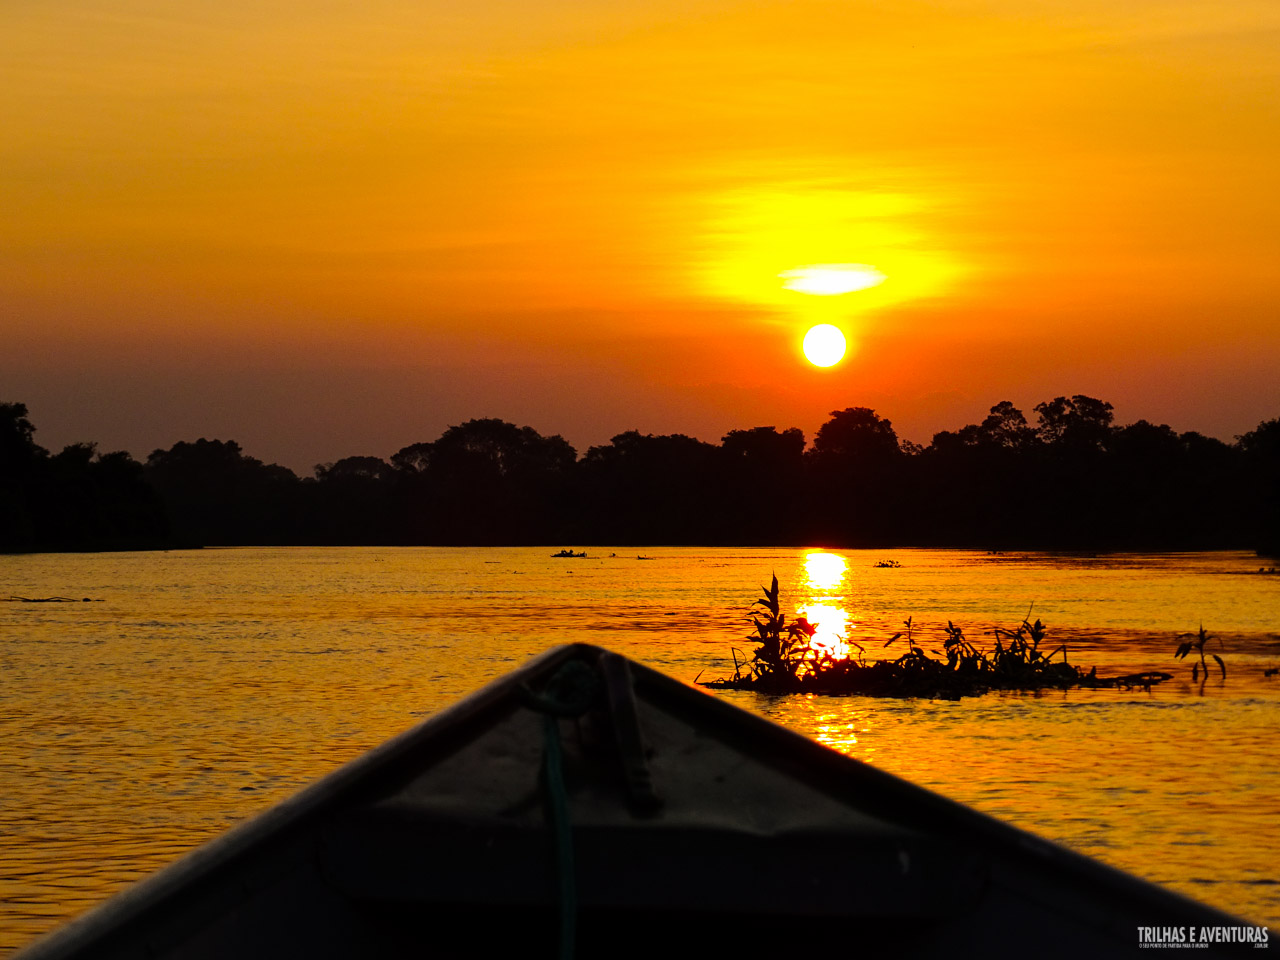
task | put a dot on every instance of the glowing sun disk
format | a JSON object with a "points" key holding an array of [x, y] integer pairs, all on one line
{"points": [[824, 345]]}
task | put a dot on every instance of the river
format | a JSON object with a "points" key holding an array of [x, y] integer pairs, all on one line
{"points": [[196, 688]]}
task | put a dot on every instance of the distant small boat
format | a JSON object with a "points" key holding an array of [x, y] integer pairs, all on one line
{"points": [[569, 554], [639, 557], [589, 804]]}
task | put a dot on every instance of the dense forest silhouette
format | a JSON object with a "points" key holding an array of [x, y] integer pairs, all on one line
{"points": [[1073, 480]]}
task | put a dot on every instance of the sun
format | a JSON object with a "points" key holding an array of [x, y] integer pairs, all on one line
{"points": [[824, 345]]}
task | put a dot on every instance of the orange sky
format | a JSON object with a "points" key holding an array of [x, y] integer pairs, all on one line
{"points": [[329, 228]]}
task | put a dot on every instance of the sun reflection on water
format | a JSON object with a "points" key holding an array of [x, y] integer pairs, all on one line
{"points": [[840, 730], [832, 623], [825, 604], [824, 571]]}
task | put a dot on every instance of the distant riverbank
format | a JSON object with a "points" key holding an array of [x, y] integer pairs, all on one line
{"points": [[1074, 481]]}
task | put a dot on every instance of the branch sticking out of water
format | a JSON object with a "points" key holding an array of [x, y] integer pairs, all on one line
{"points": [[51, 600]]}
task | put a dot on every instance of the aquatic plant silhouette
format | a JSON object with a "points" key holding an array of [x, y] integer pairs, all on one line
{"points": [[1197, 643], [787, 662], [783, 646]]}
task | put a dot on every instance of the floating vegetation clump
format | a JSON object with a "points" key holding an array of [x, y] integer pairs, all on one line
{"points": [[785, 661]]}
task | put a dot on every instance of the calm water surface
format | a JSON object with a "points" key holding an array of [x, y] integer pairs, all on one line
{"points": [[206, 685]]}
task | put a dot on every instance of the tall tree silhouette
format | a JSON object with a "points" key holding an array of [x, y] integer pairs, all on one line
{"points": [[642, 488], [858, 479], [1076, 424], [216, 495], [1006, 428], [1073, 475], [77, 499], [977, 484], [99, 502], [1261, 449], [351, 502], [20, 464], [485, 481], [763, 474]]}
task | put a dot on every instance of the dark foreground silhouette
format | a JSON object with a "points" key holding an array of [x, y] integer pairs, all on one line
{"points": [[1071, 481]]}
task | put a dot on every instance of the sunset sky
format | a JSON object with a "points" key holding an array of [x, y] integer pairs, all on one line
{"points": [[333, 228]]}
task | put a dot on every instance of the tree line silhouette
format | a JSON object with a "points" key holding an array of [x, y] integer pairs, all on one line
{"points": [[1073, 480]]}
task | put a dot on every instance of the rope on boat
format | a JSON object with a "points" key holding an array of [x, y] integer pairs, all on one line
{"points": [[571, 692]]}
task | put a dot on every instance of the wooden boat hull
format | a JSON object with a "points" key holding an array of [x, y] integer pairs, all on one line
{"points": [[693, 826]]}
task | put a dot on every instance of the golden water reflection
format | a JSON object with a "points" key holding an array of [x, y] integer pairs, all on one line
{"points": [[839, 729], [825, 604], [824, 571], [832, 624]]}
